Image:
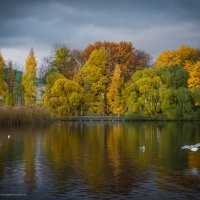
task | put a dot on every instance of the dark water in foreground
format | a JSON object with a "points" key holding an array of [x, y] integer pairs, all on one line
{"points": [[100, 161]]}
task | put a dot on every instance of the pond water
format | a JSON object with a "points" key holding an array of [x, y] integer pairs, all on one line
{"points": [[100, 161]]}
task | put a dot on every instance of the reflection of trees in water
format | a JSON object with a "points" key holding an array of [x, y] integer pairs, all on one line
{"points": [[110, 158], [102, 158], [17, 156], [7, 155], [100, 167], [29, 160], [169, 170]]}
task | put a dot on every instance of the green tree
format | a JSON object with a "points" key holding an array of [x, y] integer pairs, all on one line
{"points": [[143, 92], [196, 97], [173, 76], [3, 88], [177, 103], [176, 97], [10, 98], [30, 90], [18, 93]]}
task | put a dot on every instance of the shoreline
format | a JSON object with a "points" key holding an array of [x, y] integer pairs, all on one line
{"points": [[113, 119]]}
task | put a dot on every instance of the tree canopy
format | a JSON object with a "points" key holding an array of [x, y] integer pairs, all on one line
{"points": [[108, 78]]}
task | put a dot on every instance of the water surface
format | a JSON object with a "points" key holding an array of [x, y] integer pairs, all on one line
{"points": [[100, 161]]}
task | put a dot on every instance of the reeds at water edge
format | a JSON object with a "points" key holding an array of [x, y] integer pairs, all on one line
{"points": [[24, 115]]}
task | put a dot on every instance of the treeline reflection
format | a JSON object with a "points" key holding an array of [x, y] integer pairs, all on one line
{"points": [[100, 158]]}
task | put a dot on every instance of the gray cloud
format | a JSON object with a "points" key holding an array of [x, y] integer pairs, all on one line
{"points": [[153, 25]]}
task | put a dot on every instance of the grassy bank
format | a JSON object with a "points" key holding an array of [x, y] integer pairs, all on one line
{"points": [[24, 115], [195, 116]]}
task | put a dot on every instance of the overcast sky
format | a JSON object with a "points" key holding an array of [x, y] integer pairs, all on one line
{"points": [[151, 25]]}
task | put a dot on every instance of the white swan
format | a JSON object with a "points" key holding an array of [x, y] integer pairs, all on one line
{"points": [[9, 136], [191, 147], [142, 148]]}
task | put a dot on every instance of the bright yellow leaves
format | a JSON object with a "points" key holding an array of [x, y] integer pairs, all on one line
{"points": [[28, 78], [92, 77], [114, 93], [179, 57], [194, 80], [50, 80], [186, 57], [66, 97], [122, 53], [1, 68], [166, 58]]}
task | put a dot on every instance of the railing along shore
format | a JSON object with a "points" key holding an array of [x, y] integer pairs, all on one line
{"points": [[92, 118]]}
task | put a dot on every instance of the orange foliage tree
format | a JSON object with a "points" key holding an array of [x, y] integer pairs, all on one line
{"points": [[122, 53], [186, 57]]}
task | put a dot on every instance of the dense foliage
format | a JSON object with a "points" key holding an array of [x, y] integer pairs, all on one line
{"points": [[109, 78], [28, 80]]}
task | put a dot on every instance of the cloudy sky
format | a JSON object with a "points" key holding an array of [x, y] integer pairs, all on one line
{"points": [[152, 25]]}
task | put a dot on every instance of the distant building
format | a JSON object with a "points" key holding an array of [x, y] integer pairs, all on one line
{"points": [[18, 75], [39, 82]]}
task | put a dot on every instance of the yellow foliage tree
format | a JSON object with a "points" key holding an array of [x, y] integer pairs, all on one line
{"points": [[50, 80], [66, 97], [114, 93], [180, 57], [28, 79], [194, 80], [92, 77], [186, 57]]}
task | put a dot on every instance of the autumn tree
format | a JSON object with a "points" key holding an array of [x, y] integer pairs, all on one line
{"points": [[66, 97], [186, 57], [122, 53], [94, 81], [194, 80], [2, 68], [50, 80], [28, 79], [115, 93], [3, 89], [142, 59], [64, 61], [180, 57]]}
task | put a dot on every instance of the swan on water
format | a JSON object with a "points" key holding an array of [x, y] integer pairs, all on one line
{"points": [[142, 148], [191, 147]]}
